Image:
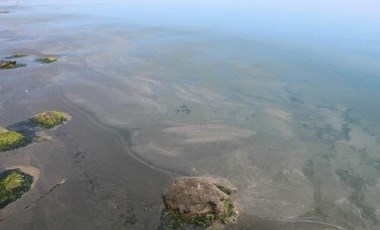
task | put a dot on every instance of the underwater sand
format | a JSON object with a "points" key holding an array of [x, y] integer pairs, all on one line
{"points": [[294, 125]]}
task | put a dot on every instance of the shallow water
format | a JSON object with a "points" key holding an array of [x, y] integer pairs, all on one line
{"points": [[282, 103]]}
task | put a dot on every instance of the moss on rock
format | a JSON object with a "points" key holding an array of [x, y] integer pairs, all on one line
{"points": [[50, 119], [200, 201], [10, 140], [13, 184], [47, 60]]}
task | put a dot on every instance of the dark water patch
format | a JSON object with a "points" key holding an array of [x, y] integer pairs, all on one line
{"points": [[367, 211], [183, 109], [329, 135], [293, 98], [376, 165], [356, 183], [349, 118]]}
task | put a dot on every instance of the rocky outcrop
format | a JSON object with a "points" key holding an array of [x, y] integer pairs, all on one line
{"points": [[201, 201]]}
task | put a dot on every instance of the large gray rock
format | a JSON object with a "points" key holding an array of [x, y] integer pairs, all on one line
{"points": [[201, 200]]}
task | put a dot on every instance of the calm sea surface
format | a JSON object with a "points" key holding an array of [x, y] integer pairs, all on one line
{"points": [[281, 99]]}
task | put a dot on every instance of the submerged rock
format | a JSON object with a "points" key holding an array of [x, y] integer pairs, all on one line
{"points": [[46, 60], [201, 201], [13, 184], [17, 55], [7, 64], [10, 65]]}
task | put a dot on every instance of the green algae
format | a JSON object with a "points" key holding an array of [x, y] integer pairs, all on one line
{"points": [[48, 120], [10, 140], [17, 55], [13, 184], [47, 60], [229, 213], [176, 220]]}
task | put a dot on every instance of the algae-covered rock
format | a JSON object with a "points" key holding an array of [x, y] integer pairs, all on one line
{"points": [[7, 64], [10, 140], [10, 65], [201, 201], [46, 60], [13, 184], [50, 119], [17, 55]]}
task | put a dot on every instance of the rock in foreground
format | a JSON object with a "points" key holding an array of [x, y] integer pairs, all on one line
{"points": [[201, 201]]}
